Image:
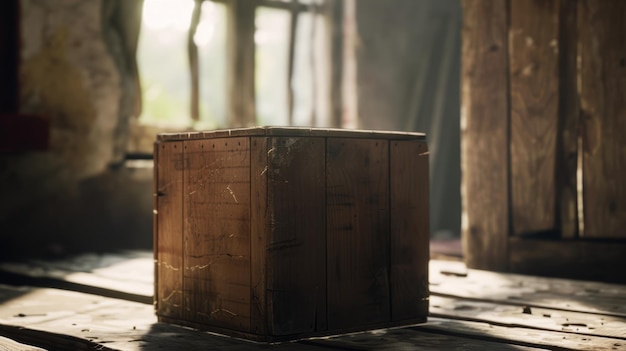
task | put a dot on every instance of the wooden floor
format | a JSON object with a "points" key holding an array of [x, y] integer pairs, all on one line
{"points": [[104, 302]]}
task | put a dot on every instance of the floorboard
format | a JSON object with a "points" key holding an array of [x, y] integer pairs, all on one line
{"points": [[105, 301]]}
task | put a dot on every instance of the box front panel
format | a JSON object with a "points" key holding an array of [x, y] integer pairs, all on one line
{"points": [[357, 232], [296, 256], [217, 232]]}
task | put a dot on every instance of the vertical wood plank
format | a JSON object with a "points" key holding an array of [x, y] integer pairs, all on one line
{"points": [[409, 229], [194, 64], [568, 129], [533, 55], [296, 257], [169, 229], [358, 232], [217, 232], [155, 223], [484, 126], [603, 101], [260, 227]]}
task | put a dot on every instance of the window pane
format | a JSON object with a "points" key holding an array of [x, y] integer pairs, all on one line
{"points": [[211, 40], [164, 64], [272, 44], [162, 59], [311, 72], [302, 77]]}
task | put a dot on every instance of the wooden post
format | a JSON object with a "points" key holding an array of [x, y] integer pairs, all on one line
{"points": [[241, 54], [484, 126], [533, 58], [194, 67], [334, 22]]}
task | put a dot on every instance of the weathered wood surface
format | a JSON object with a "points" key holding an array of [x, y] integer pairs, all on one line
{"points": [[552, 124], [296, 257], [470, 309], [413, 338], [594, 260], [569, 120], [287, 231], [169, 230], [124, 274], [528, 317], [452, 279], [603, 103], [534, 82], [260, 218], [293, 132], [217, 233], [409, 230], [522, 337], [357, 191], [484, 126], [12, 345], [241, 63]]}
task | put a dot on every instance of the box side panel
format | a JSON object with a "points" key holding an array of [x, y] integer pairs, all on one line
{"points": [[357, 232], [169, 228], [409, 229], [217, 232], [259, 227], [296, 256]]}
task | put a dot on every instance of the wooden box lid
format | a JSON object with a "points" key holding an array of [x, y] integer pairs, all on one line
{"points": [[292, 132]]}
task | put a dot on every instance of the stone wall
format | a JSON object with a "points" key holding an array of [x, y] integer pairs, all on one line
{"points": [[74, 70]]}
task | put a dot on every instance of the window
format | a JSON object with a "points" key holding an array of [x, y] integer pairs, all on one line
{"points": [[164, 64], [259, 62]]}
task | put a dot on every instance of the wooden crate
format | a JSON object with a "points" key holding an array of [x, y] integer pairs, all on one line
{"points": [[281, 233]]}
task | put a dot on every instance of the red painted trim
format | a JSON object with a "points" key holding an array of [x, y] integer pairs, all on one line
{"points": [[23, 133]]}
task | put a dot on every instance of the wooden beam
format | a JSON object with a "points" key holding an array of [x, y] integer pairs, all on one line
{"points": [[290, 60], [241, 59], [533, 57], [194, 67], [569, 121], [484, 126], [603, 102]]}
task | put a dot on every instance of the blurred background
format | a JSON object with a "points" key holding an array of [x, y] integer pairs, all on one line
{"points": [[86, 85]]}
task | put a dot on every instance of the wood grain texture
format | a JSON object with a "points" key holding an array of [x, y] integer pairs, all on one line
{"points": [[524, 290], [241, 58], [603, 103], [529, 317], [569, 120], [538, 339], [296, 257], [169, 227], [409, 229], [534, 82], [217, 232], [259, 228], [358, 232], [600, 261], [484, 138]]}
